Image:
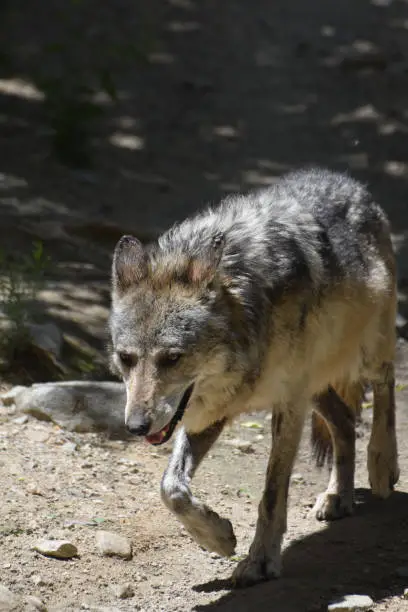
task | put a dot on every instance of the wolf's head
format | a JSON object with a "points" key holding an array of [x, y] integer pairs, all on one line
{"points": [[167, 329]]}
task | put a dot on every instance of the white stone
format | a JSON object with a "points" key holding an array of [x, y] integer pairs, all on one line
{"points": [[243, 445], [351, 603], [113, 544]]}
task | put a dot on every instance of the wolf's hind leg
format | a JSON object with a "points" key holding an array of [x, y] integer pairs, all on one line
{"points": [[382, 462], [205, 526], [337, 500]]}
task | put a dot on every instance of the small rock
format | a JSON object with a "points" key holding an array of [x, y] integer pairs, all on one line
{"points": [[35, 490], [351, 603], [8, 600], [113, 544], [123, 591], [59, 549], [402, 571], [34, 603], [243, 445], [38, 581], [69, 447], [21, 420]]}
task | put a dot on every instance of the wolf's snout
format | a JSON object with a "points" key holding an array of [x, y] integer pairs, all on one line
{"points": [[138, 424]]}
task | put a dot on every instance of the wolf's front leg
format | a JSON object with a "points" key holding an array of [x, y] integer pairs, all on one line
{"points": [[207, 528], [264, 558]]}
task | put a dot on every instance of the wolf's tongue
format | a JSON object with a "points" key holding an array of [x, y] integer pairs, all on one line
{"points": [[158, 436]]}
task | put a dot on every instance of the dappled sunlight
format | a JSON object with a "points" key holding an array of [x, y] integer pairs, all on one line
{"points": [[189, 122], [359, 54], [127, 141], [33, 206], [226, 131], [362, 113], [80, 304], [256, 177], [396, 168], [21, 89]]}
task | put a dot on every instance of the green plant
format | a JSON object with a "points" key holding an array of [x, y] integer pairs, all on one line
{"points": [[21, 279]]}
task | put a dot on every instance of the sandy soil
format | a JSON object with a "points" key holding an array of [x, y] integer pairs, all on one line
{"points": [[68, 486]]}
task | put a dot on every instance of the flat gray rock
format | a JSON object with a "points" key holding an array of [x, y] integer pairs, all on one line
{"points": [[77, 406]]}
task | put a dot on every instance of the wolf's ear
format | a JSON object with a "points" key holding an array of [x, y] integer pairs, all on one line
{"points": [[203, 268], [129, 263]]}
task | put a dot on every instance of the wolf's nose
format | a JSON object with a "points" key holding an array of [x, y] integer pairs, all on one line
{"points": [[138, 424]]}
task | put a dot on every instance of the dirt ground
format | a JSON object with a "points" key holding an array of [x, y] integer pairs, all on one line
{"points": [[69, 486], [232, 94]]}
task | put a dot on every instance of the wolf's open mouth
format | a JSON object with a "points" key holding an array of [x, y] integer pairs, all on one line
{"points": [[160, 437]]}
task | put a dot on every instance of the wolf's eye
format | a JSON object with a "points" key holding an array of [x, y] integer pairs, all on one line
{"points": [[166, 361], [127, 360]]}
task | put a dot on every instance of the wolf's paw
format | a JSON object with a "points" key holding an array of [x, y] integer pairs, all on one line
{"points": [[252, 570], [383, 471], [330, 506], [213, 533]]}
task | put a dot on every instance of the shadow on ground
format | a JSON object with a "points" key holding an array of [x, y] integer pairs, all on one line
{"points": [[355, 555]]}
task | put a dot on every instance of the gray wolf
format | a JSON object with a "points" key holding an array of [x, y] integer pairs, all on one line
{"points": [[280, 300]]}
